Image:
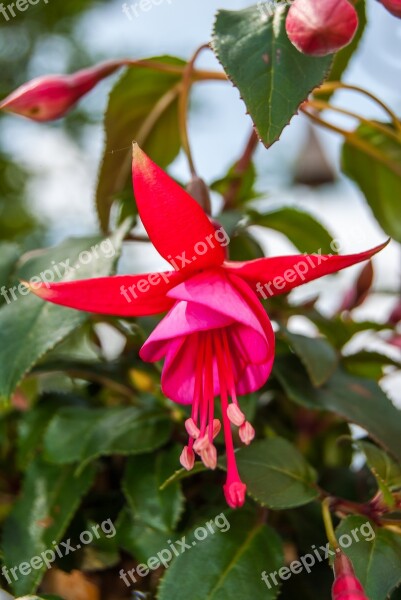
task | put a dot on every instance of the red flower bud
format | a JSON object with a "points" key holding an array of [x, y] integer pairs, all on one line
{"points": [[320, 27], [346, 585], [393, 6], [51, 96]]}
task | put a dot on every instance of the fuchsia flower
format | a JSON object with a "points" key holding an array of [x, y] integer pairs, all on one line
{"points": [[51, 96], [216, 338], [320, 27]]}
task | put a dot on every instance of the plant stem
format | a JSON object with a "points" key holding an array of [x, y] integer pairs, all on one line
{"points": [[328, 523], [186, 84], [240, 169]]}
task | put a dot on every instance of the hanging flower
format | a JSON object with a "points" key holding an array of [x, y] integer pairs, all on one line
{"points": [[51, 96], [346, 585], [216, 339]]}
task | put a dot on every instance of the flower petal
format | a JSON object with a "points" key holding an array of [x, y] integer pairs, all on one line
{"points": [[178, 227], [121, 295], [280, 274]]}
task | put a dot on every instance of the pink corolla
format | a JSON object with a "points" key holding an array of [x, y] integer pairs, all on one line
{"points": [[216, 338]]}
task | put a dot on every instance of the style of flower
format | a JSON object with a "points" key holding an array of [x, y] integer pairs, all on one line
{"points": [[216, 338]]}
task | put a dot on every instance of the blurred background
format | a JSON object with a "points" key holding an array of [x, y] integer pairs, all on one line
{"points": [[49, 171]]}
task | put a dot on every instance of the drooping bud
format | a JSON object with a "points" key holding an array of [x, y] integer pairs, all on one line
{"points": [[346, 585], [187, 458], [321, 27], [51, 96], [198, 189], [235, 415], [246, 433], [393, 6]]}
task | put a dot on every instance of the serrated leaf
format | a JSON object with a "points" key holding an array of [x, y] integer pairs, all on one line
{"points": [[29, 326], [303, 230], [276, 474], [378, 178], [81, 435], [159, 509], [356, 399], [382, 465], [139, 539], [377, 562], [235, 559], [271, 75], [48, 501], [143, 107], [317, 355]]}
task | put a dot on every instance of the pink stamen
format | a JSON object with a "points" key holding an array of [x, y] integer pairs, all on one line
{"points": [[192, 429], [209, 456], [235, 415], [187, 458], [246, 433], [216, 427]]}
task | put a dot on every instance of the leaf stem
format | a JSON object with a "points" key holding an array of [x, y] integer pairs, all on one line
{"points": [[240, 170], [186, 84], [329, 86]]}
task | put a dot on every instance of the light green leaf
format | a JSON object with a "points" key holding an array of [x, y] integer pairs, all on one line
{"points": [[48, 501], [377, 561], [143, 107], [29, 326], [159, 509], [317, 355], [81, 435], [378, 176], [272, 76], [276, 474], [234, 561], [307, 234]]}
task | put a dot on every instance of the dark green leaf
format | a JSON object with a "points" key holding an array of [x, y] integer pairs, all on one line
{"points": [[139, 539], [159, 509], [317, 355], [79, 434], [307, 234], [382, 465], [9, 254], [243, 246], [271, 75], [143, 107], [235, 559], [276, 474], [377, 561], [356, 399], [378, 178], [49, 499], [29, 326], [368, 364]]}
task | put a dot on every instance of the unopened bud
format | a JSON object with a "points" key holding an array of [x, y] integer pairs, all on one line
{"points": [[321, 27], [51, 96], [393, 6], [198, 189]]}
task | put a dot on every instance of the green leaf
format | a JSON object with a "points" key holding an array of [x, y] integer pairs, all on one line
{"points": [[245, 182], [382, 465], [29, 326], [379, 178], [80, 434], [356, 399], [307, 234], [48, 501], [159, 509], [9, 254], [180, 474], [368, 364], [143, 107], [235, 560], [243, 246], [377, 561], [271, 75], [276, 474], [139, 539], [317, 355]]}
